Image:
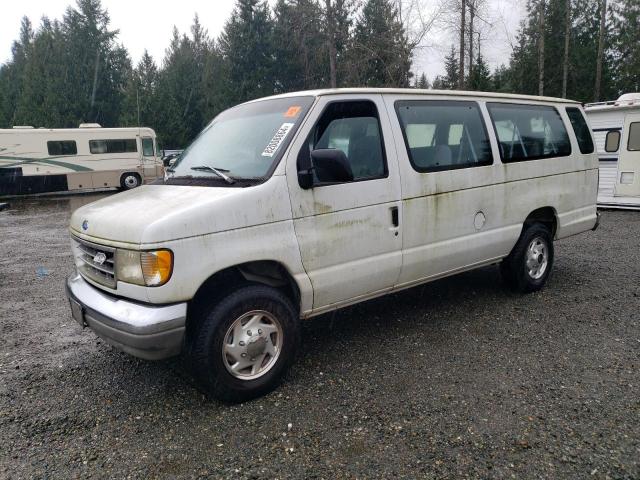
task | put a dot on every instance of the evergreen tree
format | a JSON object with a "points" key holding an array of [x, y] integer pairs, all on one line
{"points": [[140, 102], [422, 82], [180, 87], [626, 46], [501, 80], [380, 53], [246, 49], [451, 77], [299, 49], [480, 77], [96, 69], [13, 74]]}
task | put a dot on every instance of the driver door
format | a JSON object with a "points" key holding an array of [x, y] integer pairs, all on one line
{"points": [[348, 233]]}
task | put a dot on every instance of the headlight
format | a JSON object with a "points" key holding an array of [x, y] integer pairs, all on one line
{"points": [[150, 269]]}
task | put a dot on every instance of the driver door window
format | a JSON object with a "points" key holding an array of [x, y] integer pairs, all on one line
{"points": [[354, 128]]}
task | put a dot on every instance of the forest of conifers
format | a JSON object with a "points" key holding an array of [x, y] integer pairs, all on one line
{"points": [[73, 70]]}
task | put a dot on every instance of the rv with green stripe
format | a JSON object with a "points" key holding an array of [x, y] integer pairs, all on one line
{"points": [[43, 160]]}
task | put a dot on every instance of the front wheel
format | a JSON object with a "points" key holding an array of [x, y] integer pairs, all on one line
{"points": [[130, 180], [241, 347], [528, 266]]}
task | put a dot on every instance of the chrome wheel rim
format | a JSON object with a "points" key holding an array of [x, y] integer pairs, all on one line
{"points": [[252, 345], [537, 258], [130, 181]]}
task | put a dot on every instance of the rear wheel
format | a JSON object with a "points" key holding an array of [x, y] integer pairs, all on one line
{"points": [[130, 180], [528, 266], [241, 347]]}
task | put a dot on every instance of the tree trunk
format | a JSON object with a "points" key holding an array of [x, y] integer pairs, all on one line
{"points": [[331, 40], [471, 15], [541, 49], [603, 17], [462, 32], [94, 89], [565, 61]]}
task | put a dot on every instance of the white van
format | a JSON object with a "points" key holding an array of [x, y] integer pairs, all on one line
{"points": [[295, 205], [44, 160], [616, 130]]}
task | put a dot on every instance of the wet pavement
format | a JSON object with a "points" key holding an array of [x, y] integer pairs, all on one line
{"points": [[455, 379]]}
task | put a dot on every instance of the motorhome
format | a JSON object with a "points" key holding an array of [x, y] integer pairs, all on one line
{"points": [[292, 206], [616, 129], [42, 160]]}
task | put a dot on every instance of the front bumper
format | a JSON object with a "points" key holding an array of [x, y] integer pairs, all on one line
{"points": [[146, 331]]}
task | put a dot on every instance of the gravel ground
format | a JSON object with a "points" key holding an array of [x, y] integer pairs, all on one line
{"points": [[456, 379]]}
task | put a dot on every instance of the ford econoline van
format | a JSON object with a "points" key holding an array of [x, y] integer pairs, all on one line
{"points": [[291, 206]]}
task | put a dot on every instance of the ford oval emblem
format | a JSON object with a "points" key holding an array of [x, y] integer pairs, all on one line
{"points": [[100, 258], [85, 225]]}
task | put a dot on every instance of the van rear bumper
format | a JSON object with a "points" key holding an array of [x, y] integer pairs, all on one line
{"points": [[146, 331]]}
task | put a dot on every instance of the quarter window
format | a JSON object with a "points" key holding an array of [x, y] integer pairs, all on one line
{"points": [[633, 144], [581, 129], [529, 132], [354, 128], [612, 141], [443, 135], [147, 147], [128, 145], [62, 147]]}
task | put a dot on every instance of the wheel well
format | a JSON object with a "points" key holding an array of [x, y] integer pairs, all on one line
{"points": [[266, 272], [546, 216]]}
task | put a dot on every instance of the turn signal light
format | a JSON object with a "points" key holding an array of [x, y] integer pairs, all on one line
{"points": [[157, 267]]}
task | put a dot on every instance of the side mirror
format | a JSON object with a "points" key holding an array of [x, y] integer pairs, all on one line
{"points": [[331, 165]]}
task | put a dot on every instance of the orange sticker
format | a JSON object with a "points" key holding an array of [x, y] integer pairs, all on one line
{"points": [[292, 112]]}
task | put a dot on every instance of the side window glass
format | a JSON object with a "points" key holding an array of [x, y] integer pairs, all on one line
{"points": [[128, 145], [529, 132], [354, 128], [443, 135], [63, 147], [147, 147], [612, 142], [581, 129], [633, 145]]}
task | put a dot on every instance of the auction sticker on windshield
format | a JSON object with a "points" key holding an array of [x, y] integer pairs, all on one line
{"points": [[277, 139], [293, 111]]}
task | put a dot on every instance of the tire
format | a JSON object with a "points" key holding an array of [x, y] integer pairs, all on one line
{"points": [[272, 343], [130, 181], [528, 266]]}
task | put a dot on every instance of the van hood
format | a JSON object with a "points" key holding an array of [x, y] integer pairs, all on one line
{"points": [[158, 213]]}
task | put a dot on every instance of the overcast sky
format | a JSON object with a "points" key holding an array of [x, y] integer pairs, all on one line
{"points": [[148, 24]]}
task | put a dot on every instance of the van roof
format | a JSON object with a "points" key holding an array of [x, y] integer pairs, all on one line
{"points": [[417, 91]]}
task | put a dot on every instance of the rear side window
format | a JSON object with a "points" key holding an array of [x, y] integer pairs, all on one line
{"points": [[354, 128], [612, 141], [62, 147], [529, 132], [443, 135], [127, 145], [581, 129], [633, 145]]}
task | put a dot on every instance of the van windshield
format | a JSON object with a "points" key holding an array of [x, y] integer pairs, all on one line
{"points": [[244, 142]]}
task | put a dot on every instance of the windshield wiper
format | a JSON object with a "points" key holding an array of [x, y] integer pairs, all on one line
{"points": [[217, 171]]}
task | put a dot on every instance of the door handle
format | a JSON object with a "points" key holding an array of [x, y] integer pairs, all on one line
{"points": [[394, 216]]}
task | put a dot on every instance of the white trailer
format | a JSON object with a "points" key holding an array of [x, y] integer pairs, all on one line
{"points": [[39, 160], [616, 130]]}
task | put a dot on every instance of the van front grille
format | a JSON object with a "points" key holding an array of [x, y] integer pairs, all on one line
{"points": [[96, 262]]}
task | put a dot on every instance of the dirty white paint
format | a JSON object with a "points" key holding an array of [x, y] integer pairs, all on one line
{"points": [[338, 242]]}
